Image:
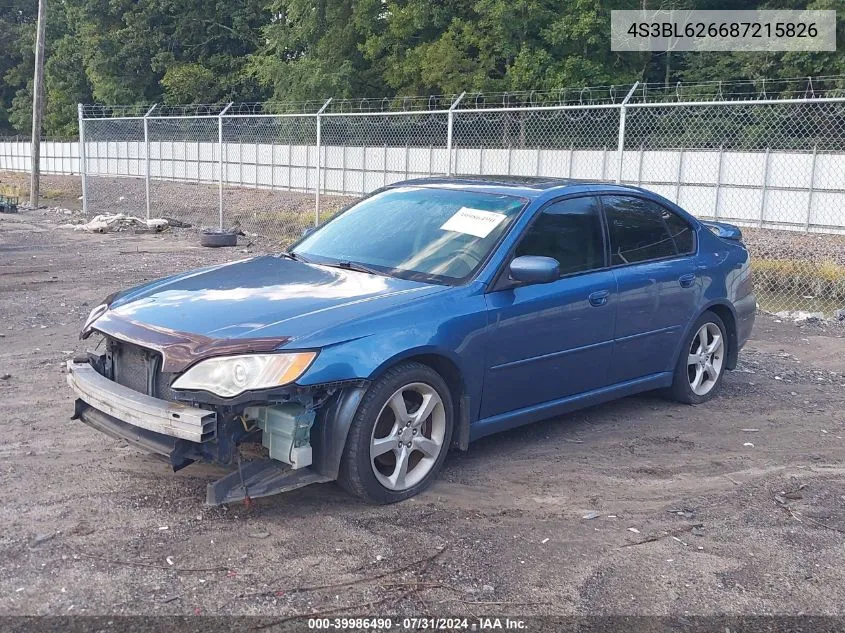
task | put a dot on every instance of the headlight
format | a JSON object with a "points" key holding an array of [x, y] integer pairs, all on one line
{"points": [[229, 376]]}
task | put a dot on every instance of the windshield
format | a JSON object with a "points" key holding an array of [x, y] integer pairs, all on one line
{"points": [[440, 235]]}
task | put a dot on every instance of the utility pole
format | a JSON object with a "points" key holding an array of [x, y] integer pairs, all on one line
{"points": [[38, 104]]}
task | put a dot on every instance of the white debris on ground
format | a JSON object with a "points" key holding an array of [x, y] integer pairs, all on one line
{"points": [[108, 222], [800, 316]]}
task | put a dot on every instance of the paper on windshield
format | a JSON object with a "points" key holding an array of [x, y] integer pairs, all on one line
{"points": [[473, 222]]}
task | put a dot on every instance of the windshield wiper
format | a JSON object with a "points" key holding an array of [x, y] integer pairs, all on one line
{"points": [[361, 268], [294, 256]]}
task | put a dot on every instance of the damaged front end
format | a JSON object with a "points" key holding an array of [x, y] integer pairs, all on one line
{"points": [[296, 433]]}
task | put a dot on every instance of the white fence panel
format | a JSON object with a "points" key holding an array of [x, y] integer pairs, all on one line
{"points": [[777, 189]]}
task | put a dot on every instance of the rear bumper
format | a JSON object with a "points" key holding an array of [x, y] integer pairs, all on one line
{"points": [[133, 409]]}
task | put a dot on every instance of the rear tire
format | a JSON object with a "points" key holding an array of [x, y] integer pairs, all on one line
{"points": [[701, 363], [399, 436]]}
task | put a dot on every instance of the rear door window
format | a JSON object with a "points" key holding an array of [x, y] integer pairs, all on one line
{"points": [[639, 232]]}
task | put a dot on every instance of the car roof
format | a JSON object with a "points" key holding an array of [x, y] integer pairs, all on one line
{"points": [[524, 186]]}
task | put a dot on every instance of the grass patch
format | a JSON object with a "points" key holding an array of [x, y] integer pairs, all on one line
{"points": [[824, 280]]}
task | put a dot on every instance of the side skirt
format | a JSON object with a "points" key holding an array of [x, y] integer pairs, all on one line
{"points": [[545, 410]]}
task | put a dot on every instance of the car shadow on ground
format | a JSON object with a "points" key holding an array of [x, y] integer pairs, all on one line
{"points": [[574, 431]]}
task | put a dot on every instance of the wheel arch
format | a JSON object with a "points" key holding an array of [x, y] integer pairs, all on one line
{"points": [[726, 312], [450, 371], [728, 316]]}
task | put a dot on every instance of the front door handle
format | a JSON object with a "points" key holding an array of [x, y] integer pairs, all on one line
{"points": [[687, 281], [599, 298]]}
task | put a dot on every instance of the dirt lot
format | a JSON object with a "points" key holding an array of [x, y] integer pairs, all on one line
{"points": [[94, 527]]}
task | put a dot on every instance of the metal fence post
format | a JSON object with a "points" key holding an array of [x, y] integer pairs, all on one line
{"points": [[621, 142], [83, 164], [319, 170], [719, 182], [765, 189], [450, 117], [812, 187], [679, 176], [147, 160], [220, 164]]}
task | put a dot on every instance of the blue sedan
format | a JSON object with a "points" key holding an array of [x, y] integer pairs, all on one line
{"points": [[425, 316]]}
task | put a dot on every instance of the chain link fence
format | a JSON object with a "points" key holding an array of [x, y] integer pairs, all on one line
{"points": [[730, 152]]}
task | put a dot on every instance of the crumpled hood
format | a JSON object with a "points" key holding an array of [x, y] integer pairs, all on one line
{"points": [[263, 297]]}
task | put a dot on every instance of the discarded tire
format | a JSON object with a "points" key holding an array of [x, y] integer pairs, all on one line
{"points": [[216, 239]]}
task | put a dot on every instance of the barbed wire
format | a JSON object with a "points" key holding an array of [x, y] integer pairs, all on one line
{"points": [[798, 88]]}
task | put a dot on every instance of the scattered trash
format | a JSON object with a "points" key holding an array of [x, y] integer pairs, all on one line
{"points": [[750, 430], [108, 222], [800, 316], [163, 527], [634, 530], [260, 535], [544, 541], [591, 515], [697, 531], [749, 444], [487, 588], [5, 376], [177, 224], [169, 560], [780, 500], [41, 538], [683, 512]]}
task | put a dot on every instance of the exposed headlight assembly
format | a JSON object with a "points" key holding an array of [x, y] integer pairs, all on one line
{"points": [[229, 376]]}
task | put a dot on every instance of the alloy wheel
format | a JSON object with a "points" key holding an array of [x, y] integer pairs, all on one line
{"points": [[408, 436], [705, 359]]}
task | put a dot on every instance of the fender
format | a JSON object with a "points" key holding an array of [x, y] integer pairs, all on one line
{"points": [[460, 378], [328, 435]]}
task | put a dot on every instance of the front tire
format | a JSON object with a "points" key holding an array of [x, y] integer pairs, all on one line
{"points": [[399, 436], [701, 363]]}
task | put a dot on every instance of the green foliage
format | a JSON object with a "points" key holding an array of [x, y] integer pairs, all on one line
{"points": [[200, 51]]}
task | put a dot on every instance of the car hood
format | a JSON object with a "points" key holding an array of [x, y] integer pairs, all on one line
{"points": [[263, 297]]}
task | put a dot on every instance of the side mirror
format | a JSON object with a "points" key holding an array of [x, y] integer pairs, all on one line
{"points": [[308, 231], [533, 269]]}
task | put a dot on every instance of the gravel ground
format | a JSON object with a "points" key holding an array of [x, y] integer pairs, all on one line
{"points": [[736, 506]]}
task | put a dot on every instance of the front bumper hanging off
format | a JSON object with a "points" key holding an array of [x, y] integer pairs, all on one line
{"points": [[180, 432], [160, 416]]}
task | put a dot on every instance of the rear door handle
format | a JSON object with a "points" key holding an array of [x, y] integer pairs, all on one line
{"points": [[687, 281], [599, 298]]}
